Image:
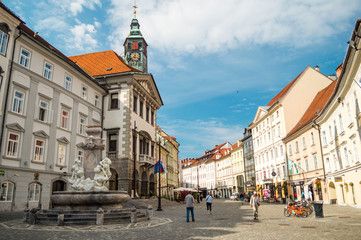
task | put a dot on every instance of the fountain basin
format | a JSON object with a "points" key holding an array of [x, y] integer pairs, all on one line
{"points": [[89, 200]]}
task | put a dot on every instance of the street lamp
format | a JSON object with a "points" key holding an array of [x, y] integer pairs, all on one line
{"points": [[159, 167]]}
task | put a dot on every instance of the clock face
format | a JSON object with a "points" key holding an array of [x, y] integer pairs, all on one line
{"points": [[135, 56]]}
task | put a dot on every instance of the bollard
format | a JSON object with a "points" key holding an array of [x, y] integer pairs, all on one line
{"points": [[149, 212], [133, 215], [26, 215], [61, 218], [32, 216], [100, 216]]}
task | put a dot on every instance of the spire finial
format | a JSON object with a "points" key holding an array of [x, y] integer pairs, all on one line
{"points": [[135, 9]]}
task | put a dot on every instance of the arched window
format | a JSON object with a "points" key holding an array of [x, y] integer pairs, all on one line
{"points": [[34, 192], [7, 191]]}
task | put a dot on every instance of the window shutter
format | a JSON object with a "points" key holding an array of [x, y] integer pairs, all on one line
{"points": [[135, 46]]}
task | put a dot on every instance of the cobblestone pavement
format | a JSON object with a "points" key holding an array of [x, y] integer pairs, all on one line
{"points": [[230, 220]]}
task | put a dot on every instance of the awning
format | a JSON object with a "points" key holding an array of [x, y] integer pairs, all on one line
{"points": [[311, 181], [181, 189]]}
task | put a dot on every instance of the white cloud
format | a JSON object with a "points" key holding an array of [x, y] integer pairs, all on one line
{"points": [[206, 26], [83, 38], [200, 134]]}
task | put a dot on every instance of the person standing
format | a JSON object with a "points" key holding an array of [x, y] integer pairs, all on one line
{"points": [[254, 202], [209, 203], [189, 205]]}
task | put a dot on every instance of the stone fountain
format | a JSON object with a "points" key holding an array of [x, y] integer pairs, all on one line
{"points": [[90, 183], [89, 201]]}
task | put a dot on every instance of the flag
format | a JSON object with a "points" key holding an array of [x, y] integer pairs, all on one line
{"points": [[162, 167]]}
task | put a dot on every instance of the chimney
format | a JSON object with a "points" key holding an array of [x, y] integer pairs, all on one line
{"points": [[332, 77], [317, 68]]}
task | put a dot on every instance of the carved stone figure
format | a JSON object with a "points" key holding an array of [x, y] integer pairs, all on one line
{"points": [[102, 175], [77, 176]]}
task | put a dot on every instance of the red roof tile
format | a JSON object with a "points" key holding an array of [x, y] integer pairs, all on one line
{"points": [[283, 92], [315, 107], [102, 63]]}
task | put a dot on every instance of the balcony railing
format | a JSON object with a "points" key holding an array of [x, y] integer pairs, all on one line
{"points": [[146, 160], [112, 155]]}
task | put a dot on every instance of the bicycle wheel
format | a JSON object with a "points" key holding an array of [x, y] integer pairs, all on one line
{"points": [[304, 214], [309, 210], [286, 212]]}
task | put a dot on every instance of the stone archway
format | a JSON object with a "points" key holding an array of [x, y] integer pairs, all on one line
{"points": [[144, 185], [113, 181], [332, 192], [151, 185]]}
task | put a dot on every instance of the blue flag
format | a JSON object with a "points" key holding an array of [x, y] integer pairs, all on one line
{"points": [[156, 167]]}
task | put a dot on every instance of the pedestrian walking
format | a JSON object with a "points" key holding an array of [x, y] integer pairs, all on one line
{"points": [[189, 205], [209, 204], [254, 202], [201, 197]]}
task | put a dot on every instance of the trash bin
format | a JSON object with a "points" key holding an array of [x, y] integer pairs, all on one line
{"points": [[318, 206]]}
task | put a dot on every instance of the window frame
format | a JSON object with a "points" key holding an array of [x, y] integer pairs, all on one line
{"points": [[82, 127], [62, 118], [17, 145], [58, 162], [96, 100], [19, 100], [46, 111], [6, 192], [114, 102], [34, 193], [84, 92], [68, 82], [48, 72], [3, 52], [36, 149], [27, 60]]}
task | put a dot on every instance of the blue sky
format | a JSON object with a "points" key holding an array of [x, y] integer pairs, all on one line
{"points": [[214, 61]]}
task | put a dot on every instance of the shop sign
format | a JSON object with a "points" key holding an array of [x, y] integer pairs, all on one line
{"points": [[338, 179], [2, 172]]}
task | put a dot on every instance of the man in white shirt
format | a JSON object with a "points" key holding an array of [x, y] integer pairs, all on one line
{"points": [[254, 202]]}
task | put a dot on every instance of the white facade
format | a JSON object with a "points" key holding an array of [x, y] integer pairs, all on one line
{"points": [[224, 175], [340, 132], [46, 114]]}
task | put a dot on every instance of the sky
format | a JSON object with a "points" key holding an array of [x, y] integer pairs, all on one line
{"points": [[214, 62]]}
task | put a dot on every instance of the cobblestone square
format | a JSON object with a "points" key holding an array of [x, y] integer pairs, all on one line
{"points": [[230, 220]]}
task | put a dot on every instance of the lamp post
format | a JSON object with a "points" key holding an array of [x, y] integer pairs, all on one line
{"points": [[134, 156], [159, 168]]}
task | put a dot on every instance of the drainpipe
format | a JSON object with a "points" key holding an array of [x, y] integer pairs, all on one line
{"points": [[7, 92], [318, 127]]}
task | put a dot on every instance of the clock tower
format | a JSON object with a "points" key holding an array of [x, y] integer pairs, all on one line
{"points": [[135, 47]]}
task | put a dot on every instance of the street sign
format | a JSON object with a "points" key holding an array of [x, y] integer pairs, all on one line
{"points": [[338, 179]]}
